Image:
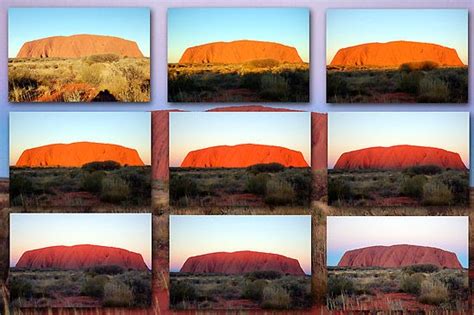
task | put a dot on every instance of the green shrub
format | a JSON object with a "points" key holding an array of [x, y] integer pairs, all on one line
{"points": [[278, 192], [424, 268], [117, 294], [101, 166], [264, 274], [275, 297], [413, 186], [436, 194], [182, 186], [423, 170], [114, 189], [433, 90], [92, 182], [273, 87], [410, 82], [411, 283], [181, 291], [94, 286], [102, 58], [338, 285], [21, 288], [253, 290], [106, 270], [20, 185], [141, 289], [433, 292], [419, 65], [263, 63], [338, 189], [92, 74], [266, 168], [257, 184]]}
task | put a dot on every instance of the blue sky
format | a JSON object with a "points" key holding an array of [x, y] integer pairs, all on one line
{"points": [[352, 232], [26, 24], [34, 129], [349, 27], [288, 235], [352, 131], [192, 131], [128, 231], [189, 27]]}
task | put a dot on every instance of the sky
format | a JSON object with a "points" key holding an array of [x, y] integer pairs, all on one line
{"points": [[34, 129], [194, 130], [350, 27], [449, 233], [188, 27], [127, 231], [351, 131], [288, 235], [26, 24]]}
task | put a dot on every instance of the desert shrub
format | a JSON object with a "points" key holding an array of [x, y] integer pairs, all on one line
{"points": [[433, 90], [273, 87], [424, 268], [92, 182], [181, 291], [436, 193], [92, 74], [141, 289], [264, 274], [338, 285], [275, 297], [20, 185], [411, 283], [106, 270], [102, 58], [21, 288], [423, 170], [336, 85], [253, 290], [114, 189], [278, 192], [453, 281], [257, 184], [338, 189], [263, 63], [94, 286], [458, 183], [433, 292], [250, 81], [413, 186], [117, 294], [182, 186], [266, 168], [410, 82], [420, 65], [101, 166]]}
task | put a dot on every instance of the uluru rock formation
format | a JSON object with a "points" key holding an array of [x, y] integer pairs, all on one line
{"points": [[242, 262], [394, 54], [399, 157], [243, 155], [397, 256], [77, 154], [80, 257], [240, 51], [76, 46]]}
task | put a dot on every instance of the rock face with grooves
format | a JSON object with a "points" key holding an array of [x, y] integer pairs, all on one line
{"points": [[77, 154], [76, 46], [399, 157], [80, 257], [240, 51], [397, 256], [243, 155], [242, 262], [394, 54]]}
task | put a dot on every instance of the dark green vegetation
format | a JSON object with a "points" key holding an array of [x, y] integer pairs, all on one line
{"points": [[250, 291], [258, 185], [424, 83], [406, 289], [95, 184], [96, 287], [415, 186], [256, 81]]}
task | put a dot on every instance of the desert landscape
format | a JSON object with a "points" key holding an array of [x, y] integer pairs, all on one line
{"points": [[243, 69], [372, 173], [80, 175], [241, 279], [397, 276], [79, 275], [393, 69], [245, 174], [78, 67]]}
